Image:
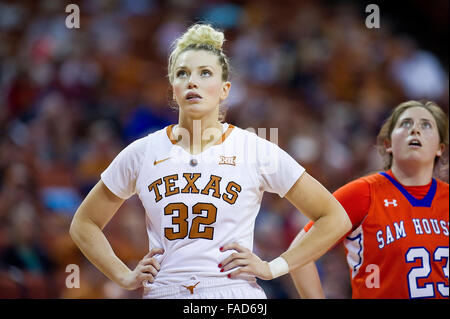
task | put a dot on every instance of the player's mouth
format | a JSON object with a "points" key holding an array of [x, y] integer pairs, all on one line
{"points": [[415, 143], [193, 97]]}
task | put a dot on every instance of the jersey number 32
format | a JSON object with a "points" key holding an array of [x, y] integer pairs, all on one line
{"points": [[181, 221]]}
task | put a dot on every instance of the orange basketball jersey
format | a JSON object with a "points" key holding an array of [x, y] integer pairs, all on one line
{"points": [[401, 248]]}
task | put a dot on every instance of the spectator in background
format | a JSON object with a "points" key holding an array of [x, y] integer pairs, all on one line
{"points": [[27, 261], [411, 65]]}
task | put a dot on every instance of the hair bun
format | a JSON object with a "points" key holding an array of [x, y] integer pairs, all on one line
{"points": [[201, 34]]}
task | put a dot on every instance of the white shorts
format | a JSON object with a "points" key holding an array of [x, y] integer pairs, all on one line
{"points": [[207, 288]]}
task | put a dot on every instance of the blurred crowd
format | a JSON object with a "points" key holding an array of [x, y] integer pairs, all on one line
{"points": [[71, 99]]}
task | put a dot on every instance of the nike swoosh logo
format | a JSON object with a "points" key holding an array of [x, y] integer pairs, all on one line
{"points": [[157, 162]]}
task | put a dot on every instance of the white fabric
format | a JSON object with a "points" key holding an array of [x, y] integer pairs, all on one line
{"points": [[278, 267], [354, 243], [254, 165], [194, 288]]}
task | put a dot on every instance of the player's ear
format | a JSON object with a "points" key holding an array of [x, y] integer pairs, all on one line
{"points": [[387, 146], [225, 90], [441, 149]]}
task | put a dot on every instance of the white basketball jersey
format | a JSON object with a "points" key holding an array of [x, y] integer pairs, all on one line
{"points": [[196, 204]]}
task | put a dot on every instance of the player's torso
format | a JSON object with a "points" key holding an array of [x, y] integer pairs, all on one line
{"points": [[401, 248], [196, 204]]}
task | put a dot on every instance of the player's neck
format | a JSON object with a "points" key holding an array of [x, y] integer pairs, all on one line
{"points": [[409, 175], [199, 134]]}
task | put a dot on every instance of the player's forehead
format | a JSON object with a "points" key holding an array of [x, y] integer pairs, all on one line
{"points": [[194, 59], [416, 114]]}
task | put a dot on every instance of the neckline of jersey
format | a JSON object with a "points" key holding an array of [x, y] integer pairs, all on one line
{"points": [[226, 129], [424, 202]]}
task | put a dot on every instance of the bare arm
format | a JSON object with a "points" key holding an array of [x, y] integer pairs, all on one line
{"points": [[86, 230], [306, 279], [330, 224]]}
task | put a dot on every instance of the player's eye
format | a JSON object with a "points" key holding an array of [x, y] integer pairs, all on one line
{"points": [[406, 123], [206, 73], [181, 73], [426, 125]]}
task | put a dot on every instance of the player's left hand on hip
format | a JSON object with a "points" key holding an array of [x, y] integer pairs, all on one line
{"points": [[248, 262]]}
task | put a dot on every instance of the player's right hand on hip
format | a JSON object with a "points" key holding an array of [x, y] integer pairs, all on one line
{"points": [[145, 271]]}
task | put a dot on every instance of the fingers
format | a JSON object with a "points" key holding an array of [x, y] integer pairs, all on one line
{"points": [[246, 262], [238, 259], [153, 252], [147, 279], [149, 267], [243, 270], [234, 246], [147, 273], [150, 261], [233, 261], [149, 270]]}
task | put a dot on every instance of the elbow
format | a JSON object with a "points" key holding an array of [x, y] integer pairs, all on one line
{"points": [[74, 231], [346, 223], [341, 220], [80, 229]]}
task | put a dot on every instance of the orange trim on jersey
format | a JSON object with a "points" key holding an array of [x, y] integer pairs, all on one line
{"points": [[170, 134], [225, 134], [308, 226], [219, 141]]}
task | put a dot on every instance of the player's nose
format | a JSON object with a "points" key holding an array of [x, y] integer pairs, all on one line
{"points": [[415, 130], [192, 82]]}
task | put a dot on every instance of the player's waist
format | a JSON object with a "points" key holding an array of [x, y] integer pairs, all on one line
{"points": [[194, 285]]}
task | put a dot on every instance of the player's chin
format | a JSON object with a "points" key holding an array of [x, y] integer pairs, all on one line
{"points": [[197, 110], [417, 157]]}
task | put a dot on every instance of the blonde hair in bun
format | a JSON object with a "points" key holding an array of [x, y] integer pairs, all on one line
{"points": [[200, 37], [201, 34]]}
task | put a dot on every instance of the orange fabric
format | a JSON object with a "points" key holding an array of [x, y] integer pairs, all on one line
{"points": [[347, 195], [356, 209], [399, 246], [359, 188]]}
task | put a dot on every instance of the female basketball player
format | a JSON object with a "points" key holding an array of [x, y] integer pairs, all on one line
{"points": [[201, 182], [398, 247]]}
